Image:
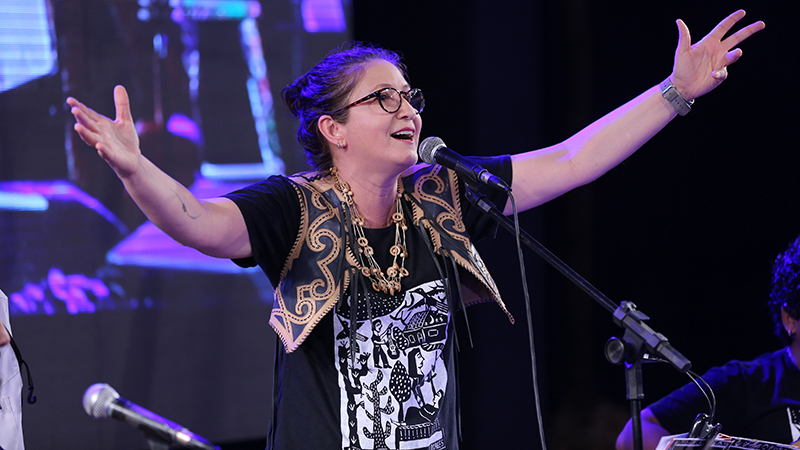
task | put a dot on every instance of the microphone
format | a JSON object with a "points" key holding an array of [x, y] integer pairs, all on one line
{"points": [[432, 150], [101, 401]]}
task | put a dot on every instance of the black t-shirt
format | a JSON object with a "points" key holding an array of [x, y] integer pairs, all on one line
{"points": [[757, 399], [397, 390]]}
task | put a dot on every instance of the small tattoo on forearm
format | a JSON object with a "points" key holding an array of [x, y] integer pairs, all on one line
{"points": [[183, 206]]}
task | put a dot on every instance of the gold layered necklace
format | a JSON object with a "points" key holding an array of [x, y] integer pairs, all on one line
{"points": [[388, 282]]}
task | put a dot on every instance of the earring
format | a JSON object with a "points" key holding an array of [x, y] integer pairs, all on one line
{"points": [[790, 333], [339, 145]]}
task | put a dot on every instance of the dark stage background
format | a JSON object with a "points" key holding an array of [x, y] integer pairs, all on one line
{"points": [[686, 228]]}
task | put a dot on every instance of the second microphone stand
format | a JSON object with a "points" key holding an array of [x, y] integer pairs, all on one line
{"points": [[639, 341]]}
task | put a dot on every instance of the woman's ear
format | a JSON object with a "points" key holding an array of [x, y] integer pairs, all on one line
{"points": [[332, 130], [789, 323]]}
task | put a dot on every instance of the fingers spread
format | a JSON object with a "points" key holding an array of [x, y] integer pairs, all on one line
{"points": [[736, 38], [86, 135], [83, 118], [723, 27], [88, 113], [732, 56]]}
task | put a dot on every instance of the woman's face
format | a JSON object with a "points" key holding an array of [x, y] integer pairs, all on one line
{"points": [[374, 135]]}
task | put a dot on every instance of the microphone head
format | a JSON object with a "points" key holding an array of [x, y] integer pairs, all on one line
{"points": [[428, 148], [97, 398]]}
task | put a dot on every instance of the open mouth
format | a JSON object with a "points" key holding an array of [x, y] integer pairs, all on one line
{"points": [[404, 135]]}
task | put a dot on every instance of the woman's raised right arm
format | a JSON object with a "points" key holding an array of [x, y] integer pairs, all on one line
{"points": [[213, 226]]}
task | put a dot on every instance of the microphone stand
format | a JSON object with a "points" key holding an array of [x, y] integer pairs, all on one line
{"points": [[638, 337]]}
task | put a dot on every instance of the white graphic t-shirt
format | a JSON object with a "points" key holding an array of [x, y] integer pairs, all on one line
{"points": [[394, 377]]}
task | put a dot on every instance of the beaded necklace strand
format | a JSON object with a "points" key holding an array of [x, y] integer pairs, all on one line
{"points": [[388, 282]]}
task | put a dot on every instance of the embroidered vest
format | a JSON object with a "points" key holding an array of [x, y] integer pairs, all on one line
{"points": [[312, 277]]}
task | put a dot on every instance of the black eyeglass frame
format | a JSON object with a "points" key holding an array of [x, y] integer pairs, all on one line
{"points": [[407, 95]]}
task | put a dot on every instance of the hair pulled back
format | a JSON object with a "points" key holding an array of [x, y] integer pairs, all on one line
{"points": [[324, 90], [785, 291]]}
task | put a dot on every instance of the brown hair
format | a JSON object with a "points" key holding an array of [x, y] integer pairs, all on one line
{"points": [[324, 90]]}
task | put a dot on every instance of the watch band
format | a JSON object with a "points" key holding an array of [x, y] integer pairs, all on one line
{"points": [[672, 95]]}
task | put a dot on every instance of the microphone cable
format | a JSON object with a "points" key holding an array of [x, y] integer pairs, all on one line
{"points": [[708, 392], [702, 385], [529, 317]]}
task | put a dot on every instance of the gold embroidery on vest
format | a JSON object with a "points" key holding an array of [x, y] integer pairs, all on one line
{"points": [[452, 214], [308, 294], [305, 313], [277, 316]]}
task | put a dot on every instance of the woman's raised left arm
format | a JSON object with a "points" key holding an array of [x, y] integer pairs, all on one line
{"points": [[544, 174]]}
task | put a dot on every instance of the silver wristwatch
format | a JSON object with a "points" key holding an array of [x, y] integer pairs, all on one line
{"points": [[672, 95]]}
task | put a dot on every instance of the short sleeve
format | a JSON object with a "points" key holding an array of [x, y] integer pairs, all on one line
{"points": [[479, 224], [271, 211]]}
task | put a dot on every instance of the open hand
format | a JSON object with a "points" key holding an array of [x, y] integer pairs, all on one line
{"points": [[116, 141], [701, 67]]}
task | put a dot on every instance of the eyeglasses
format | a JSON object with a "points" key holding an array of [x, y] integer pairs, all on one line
{"points": [[391, 99]]}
